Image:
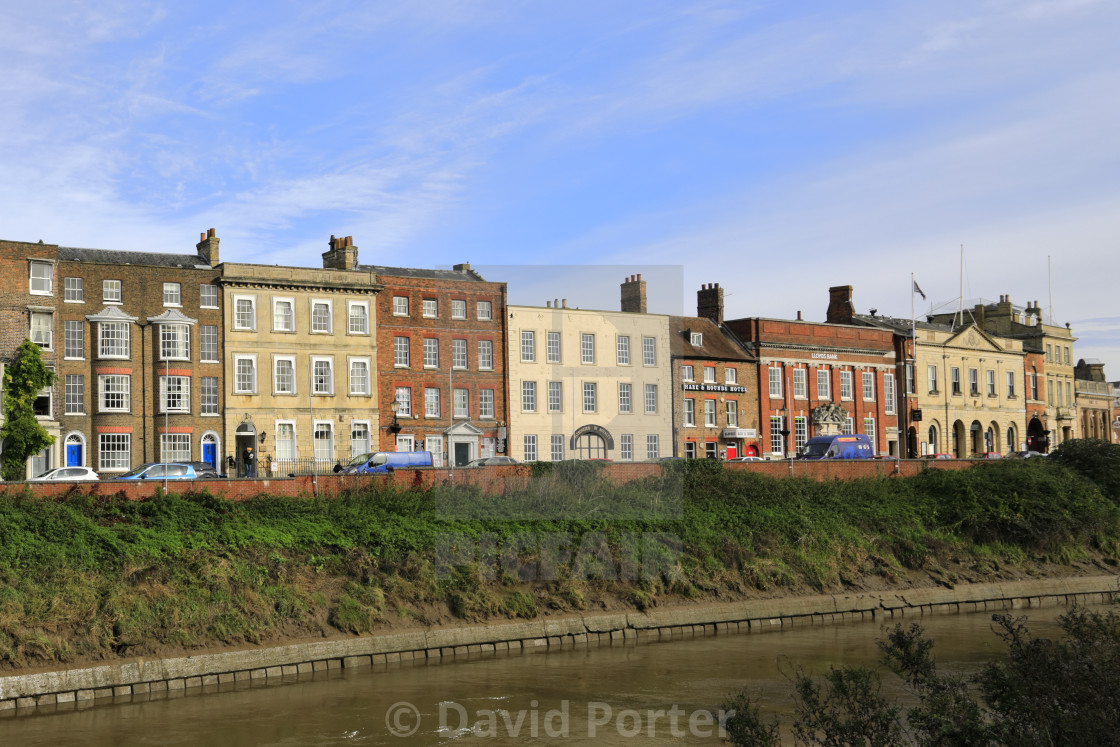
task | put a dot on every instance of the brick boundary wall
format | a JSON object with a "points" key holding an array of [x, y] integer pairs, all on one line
{"points": [[496, 479], [150, 678]]}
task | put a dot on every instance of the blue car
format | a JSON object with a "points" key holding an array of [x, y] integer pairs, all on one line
{"points": [[167, 471]]}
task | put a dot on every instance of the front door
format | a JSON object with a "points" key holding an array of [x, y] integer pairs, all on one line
{"points": [[732, 451], [210, 454], [73, 455], [462, 454]]}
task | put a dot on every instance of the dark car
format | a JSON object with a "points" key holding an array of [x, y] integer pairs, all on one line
{"points": [[492, 461]]}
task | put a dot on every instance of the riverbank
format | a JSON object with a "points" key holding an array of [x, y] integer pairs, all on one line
{"points": [[71, 688], [104, 580]]}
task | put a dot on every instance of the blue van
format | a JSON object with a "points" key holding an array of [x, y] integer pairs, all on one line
{"points": [[854, 446], [386, 461]]}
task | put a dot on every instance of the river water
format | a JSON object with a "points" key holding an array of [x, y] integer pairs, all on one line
{"points": [[648, 693]]}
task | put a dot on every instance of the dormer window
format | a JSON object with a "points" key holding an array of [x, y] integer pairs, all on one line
{"points": [[697, 339]]}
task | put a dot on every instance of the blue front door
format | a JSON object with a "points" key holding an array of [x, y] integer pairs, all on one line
{"points": [[73, 455], [210, 454]]}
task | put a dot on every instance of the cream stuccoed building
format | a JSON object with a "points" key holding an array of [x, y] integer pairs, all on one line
{"points": [[588, 384]]}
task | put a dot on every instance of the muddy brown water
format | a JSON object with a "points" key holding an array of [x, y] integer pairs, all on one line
{"points": [[646, 693]]}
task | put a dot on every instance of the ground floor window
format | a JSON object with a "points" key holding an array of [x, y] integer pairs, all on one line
{"points": [[359, 438], [114, 451], [286, 441], [530, 444], [711, 450], [626, 443], [653, 446], [800, 433], [777, 443], [323, 438], [175, 447], [557, 454], [404, 443], [689, 449], [591, 446]]}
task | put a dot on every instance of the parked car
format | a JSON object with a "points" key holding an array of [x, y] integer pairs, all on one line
{"points": [[747, 459], [206, 471], [166, 471], [853, 446], [351, 467], [387, 461], [1027, 454], [491, 461], [938, 456], [67, 474], [987, 455]]}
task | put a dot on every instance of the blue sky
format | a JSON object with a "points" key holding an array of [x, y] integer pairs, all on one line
{"points": [[776, 148]]}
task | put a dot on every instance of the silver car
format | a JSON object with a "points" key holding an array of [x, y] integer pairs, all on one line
{"points": [[67, 474]]}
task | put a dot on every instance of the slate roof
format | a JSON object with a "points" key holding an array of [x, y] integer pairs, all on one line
{"points": [[897, 324], [718, 344], [415, 272], [113, 256]]}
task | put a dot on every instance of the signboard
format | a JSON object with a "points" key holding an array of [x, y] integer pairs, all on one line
{"points": [[738, 433], [825, 356], [715, 388], [916, 416]]}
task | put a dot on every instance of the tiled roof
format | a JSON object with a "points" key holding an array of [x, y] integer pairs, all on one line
{"points": [[716, 343], [415, 272], [112, 256], [898, 324]]}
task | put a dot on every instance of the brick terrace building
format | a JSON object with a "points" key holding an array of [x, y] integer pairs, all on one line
{"points": [[138, 342], [715, 385], [29, 290], [442, 360], [809, 369]]}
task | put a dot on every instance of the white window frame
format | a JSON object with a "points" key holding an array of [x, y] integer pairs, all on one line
{"points": [[696, 339], [317, 427], [622, 345], [46, 343], [710, 417], [484, 311], [528, 346], [204, 331], [800, 383], [460, 396], [651, 399], [364, 318], [556, 450], [868, 381], [777, 443], [365, 390], [590, 396], [653, 446], [175, 292], [125, 340], [587, 348], [730, 375], [846, 384], [402, 351], [237, 359], [774, 374], [555, 396], [237, 322], [992, 391], [687, 372], [625, 398], [316, 391], [276, 390], [45, 280], [111, 291], [366, 424], [485, 355], [649, 350], [204, 290], [183, 383], [931, 376], [329, 303], [209, 396], [125, 392], [888, 393], [528, 396], [182, 348], [431, 345], [74, 395], [486, 404], [529, 443], [67, 348], [552, 352], [400, 305], [429, 308], [404, 404], [432, 396], [689, 412], [626, 447], [120, 459], [458, 308], [283, 443], [731, 409], [171, 447], [73, 290], [824, 384], [459, 353], [1010, 389], [277, 317], [800, 433], [709, 374]]}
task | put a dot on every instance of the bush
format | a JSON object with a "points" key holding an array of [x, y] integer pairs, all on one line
{"points": [[1095, 459]]}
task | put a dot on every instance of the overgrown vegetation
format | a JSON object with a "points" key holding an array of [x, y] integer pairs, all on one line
{"points": [[83, 578], [22, 434], [1041, 692]]}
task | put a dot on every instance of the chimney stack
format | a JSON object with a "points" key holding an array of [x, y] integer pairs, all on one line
{"points": [[634, 294], [342, 255], [840, 307], [208, 247], [709, 302]]}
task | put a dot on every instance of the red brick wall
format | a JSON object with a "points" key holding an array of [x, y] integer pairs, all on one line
{"points": [[490, 479]]}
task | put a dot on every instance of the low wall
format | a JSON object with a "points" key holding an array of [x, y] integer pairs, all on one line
{"points": [[138, 676], [495, 479]]}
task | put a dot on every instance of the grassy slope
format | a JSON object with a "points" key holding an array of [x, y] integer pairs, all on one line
{"points": [[84, 579]]}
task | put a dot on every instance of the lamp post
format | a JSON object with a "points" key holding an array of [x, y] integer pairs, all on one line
{"points": [[785, 441], [395, 427]]}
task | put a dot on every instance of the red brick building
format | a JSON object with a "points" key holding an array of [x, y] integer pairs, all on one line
{"points": [[817, 379], [715, 385], [441, 339]]}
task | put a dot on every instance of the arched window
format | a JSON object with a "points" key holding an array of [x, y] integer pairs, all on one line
{"points": [[934, 446], [591, 446]]}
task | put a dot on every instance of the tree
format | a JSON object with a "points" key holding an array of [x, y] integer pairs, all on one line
{"points": [[24, 378]]}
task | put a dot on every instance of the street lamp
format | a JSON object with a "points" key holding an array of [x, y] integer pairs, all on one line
{"points": [[395, 428], [785, 441]]}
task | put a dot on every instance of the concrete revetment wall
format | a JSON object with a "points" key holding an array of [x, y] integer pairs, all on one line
{"points": [[71, 688]]}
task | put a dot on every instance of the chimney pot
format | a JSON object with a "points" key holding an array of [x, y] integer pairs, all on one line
{"points": [[565, 302], [207, 247], [799, 315], [548, 304], [211, 234]]}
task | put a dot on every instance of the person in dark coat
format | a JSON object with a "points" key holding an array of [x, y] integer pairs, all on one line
{"points": [[250, 462]]}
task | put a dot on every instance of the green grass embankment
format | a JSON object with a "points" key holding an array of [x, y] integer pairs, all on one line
{"points": [[83, 579]]}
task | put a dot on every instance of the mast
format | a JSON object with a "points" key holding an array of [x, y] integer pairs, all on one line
{"points": [[1050, 286]]}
